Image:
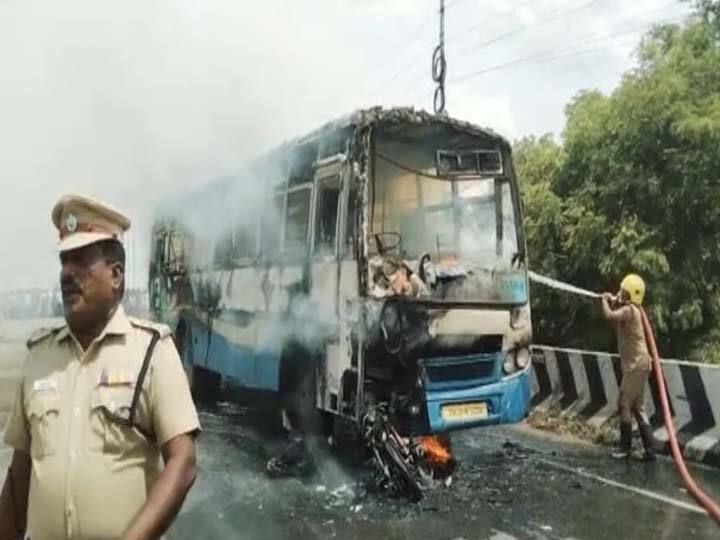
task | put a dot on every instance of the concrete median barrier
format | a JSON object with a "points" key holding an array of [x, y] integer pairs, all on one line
{"points": [[585, 385]]}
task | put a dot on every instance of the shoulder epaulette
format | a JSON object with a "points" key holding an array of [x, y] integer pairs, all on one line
{"points": [[42, 333], [163, 329]]}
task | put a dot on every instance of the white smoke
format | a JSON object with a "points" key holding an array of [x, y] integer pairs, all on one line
{"points": [[136, 103]]}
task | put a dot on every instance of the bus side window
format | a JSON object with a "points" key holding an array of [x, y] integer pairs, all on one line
{"points": [[301, 164], [351, 225], [272, 219], [245, 241], [160, 250], [326, 215], [297, 221], [177, 250], [223, 250]]}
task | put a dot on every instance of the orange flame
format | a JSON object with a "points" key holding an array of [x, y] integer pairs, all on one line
{"points": [[436, 449]]}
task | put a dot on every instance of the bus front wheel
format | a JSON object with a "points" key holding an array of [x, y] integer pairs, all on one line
{"points": [[204, 383], [298, 387]]}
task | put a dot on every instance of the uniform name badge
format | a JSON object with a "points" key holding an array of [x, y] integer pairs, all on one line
{"points": [[44, 385]]}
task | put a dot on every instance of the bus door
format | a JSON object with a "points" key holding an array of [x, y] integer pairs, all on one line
{"points": [[325, 274], [324, 267], [334, 276]]}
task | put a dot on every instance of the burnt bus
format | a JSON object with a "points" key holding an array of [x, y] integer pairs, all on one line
{"points": [[381, 258]]}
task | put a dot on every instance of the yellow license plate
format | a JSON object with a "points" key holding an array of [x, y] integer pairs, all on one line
{"points": [[463, 411]]}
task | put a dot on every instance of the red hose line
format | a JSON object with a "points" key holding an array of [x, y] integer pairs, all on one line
{"points": [[700, 496]]}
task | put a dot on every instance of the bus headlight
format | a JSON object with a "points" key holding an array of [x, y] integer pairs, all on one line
{"points": [[509, 363], [522, 358]]}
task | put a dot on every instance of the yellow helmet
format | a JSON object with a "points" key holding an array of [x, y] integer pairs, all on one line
{"points": [[635, 287]]}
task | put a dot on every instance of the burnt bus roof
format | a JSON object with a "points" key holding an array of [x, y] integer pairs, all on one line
{"points": [[370, 117], [377, 116]]}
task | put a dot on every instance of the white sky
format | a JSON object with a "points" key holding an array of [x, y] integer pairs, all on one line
{"points": [[137, 100]]}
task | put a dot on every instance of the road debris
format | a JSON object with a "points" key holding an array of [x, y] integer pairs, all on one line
{"points": [[553, 420], [397, 461]]}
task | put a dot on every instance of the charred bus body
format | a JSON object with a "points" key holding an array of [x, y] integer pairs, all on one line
{"points": [[379, 259]]}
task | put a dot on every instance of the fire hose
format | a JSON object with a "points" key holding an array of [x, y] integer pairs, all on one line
{"points": [[698, 494]]}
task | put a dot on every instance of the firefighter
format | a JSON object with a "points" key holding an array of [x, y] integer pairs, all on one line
{"points": [[624, 312]]}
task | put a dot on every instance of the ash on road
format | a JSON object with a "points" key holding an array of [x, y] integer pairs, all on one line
{"points": [[506, 487], [511, 483]]}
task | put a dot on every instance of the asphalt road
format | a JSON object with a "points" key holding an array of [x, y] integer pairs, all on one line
{"points": [[511, 483]]}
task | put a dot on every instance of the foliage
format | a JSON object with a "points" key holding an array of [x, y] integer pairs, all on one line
{"points": [[634, 186]]}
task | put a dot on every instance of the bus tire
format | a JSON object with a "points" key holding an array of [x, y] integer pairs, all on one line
{"points": [[183, 343], [298, 393], [204, 384]]}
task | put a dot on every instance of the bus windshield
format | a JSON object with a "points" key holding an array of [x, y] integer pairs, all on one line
{"points": [[466, 227]]}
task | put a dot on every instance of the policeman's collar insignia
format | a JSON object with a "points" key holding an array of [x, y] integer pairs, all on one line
{"points": [[71, 222]]}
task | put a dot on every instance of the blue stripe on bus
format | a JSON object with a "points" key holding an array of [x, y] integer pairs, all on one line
{"points": [[240, 364]]}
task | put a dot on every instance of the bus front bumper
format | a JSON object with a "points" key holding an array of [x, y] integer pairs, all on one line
{"points": [[505, 401]]}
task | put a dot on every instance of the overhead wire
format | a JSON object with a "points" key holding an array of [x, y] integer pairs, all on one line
{"points": [[596, 36], [554, 14], [484, 23], [560, 51], [547, 55], [439, 66], [580, 40], [540, 60], [673, 3], [407, 40]]}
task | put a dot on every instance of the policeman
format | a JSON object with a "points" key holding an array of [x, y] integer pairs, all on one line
{"points": [[624, 312], [100, 399]]}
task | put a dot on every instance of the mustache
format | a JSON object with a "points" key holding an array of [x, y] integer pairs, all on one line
{"points": [[70, 286]]}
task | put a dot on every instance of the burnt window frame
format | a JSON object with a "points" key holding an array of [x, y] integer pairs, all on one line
{"points": [[245, 259], [281, 190], [350, 222], [328, 172], [222, 251], [171, 259], [280, 223], [304, 247], [467, 172]]}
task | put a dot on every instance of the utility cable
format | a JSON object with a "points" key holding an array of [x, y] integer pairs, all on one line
{"points": [[538, 59], [407, 40], [467, 31], [587, 38], [553, 16], [439, 66]]}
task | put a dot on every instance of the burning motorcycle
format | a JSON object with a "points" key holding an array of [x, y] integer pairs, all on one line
{"points": [[403, 466]]}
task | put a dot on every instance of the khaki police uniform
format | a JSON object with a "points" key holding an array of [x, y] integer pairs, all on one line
{"points": [[90, 473], [634, 360]]}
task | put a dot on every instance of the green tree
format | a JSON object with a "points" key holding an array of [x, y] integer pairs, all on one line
{"points": [[635, 186]]}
